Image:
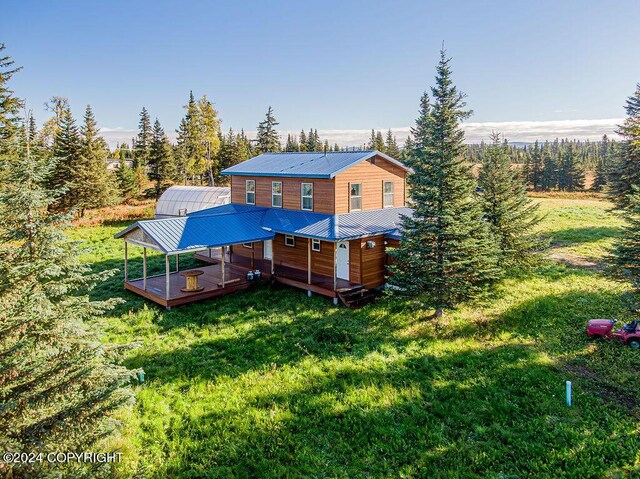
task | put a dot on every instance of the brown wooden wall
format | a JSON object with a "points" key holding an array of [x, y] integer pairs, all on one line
{"points": [[367, 266], [257, 250], [371, 176], [323, 192], [296, 257]]}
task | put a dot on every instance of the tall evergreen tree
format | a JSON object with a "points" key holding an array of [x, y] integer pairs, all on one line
{"points": [[126, 180], [93, 185], [511, 214], [571, 176], [627, 247], [549, 168], [9, 104], [143, 140], [292, 143], [303, 141], [447, 251], [536, 166], [59, 385], [391, 146], [66, 161], [268, 139], [625, 177], [161, 163], [600, 173]]}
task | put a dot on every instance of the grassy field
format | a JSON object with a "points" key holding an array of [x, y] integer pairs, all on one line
{"points": [[269, 383]]}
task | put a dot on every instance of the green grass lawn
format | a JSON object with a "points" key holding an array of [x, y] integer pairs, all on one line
{"points": [[270, 383]]}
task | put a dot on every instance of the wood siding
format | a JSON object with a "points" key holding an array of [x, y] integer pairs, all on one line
{"points": [[256, 251], [373, 262], [296, 256], [371, 176], [323, 192]]}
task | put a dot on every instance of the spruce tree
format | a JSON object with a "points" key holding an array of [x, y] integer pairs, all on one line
{"points": [[268, 139], [391, 146], [143, 141], [59, 385], [303, 141], [126, 179], [571, 176], [600, 173], [161, 163], [549, 168], [93, 185], [536, 166], [627, 247], [9, 104], [66, 159], [447, 251], [510, 213], [625, 177]]}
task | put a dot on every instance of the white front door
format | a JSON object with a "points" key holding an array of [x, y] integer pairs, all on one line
{"points": [[268, 249], [342, 259]]}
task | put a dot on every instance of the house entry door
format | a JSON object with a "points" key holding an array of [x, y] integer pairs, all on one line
{"points": [[342, 259]]}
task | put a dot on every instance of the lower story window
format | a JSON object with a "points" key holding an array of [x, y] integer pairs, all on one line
{"points": [[289, 240], [315, 245], [248, 245]]}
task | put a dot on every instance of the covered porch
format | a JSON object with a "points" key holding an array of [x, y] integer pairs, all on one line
{"points": [[171, 292], [186, 235]]}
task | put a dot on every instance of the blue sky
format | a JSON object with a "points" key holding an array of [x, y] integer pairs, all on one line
{"points": [[340, 67]]}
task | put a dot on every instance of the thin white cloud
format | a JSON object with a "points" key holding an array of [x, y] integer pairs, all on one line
{"points": [[515, 131]]}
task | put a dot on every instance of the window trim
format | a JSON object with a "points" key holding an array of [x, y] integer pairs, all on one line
{"points": [[293, 241], [351, 197], [247, 192], [315, 242], [384, 195], [302, 197], [247, 245], [273, 194]]}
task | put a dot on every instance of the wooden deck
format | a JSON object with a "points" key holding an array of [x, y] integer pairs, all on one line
{"points": [[235, 277], [320, 284]]}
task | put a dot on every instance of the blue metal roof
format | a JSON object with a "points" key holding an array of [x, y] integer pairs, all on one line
{"points": [[235, 223], [191, 233], [305, 164], [320, 225]]}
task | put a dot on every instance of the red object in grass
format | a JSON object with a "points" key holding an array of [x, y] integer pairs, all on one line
{"points": [[603, 328]]}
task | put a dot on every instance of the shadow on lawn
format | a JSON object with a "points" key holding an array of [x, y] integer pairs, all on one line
{"points": [[590, 234], [478, 412]]}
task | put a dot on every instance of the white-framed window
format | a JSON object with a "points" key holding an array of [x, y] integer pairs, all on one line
{"points": [[276, 194], [387, 194], [250, 192], [289, 240], [248, 245], [355, 197], [306, 193], [315, 245]]}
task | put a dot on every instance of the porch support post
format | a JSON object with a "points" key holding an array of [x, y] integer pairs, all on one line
{"points": [[335, 266], [177, 262], [222, 264], [167, 279], [126, 268], [144, 268], [309, 265]]}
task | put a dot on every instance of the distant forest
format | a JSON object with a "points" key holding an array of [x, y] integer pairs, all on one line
{"points": [[150, 163]]}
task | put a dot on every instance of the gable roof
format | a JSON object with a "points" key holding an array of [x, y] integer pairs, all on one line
{"points": [[305, 164]]}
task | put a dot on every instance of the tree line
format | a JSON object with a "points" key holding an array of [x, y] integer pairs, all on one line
{"points": [[560, 165]]}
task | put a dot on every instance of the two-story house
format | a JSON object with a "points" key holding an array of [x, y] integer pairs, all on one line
{"points": [[317, 221]]}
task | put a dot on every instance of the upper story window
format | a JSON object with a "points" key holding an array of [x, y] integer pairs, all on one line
{"points": [[250, 192], [355, 194], [387, 194], [306, 203], [276, 194]]}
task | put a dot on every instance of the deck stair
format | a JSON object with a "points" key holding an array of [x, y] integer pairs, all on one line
{"points": [[355, 296]]}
